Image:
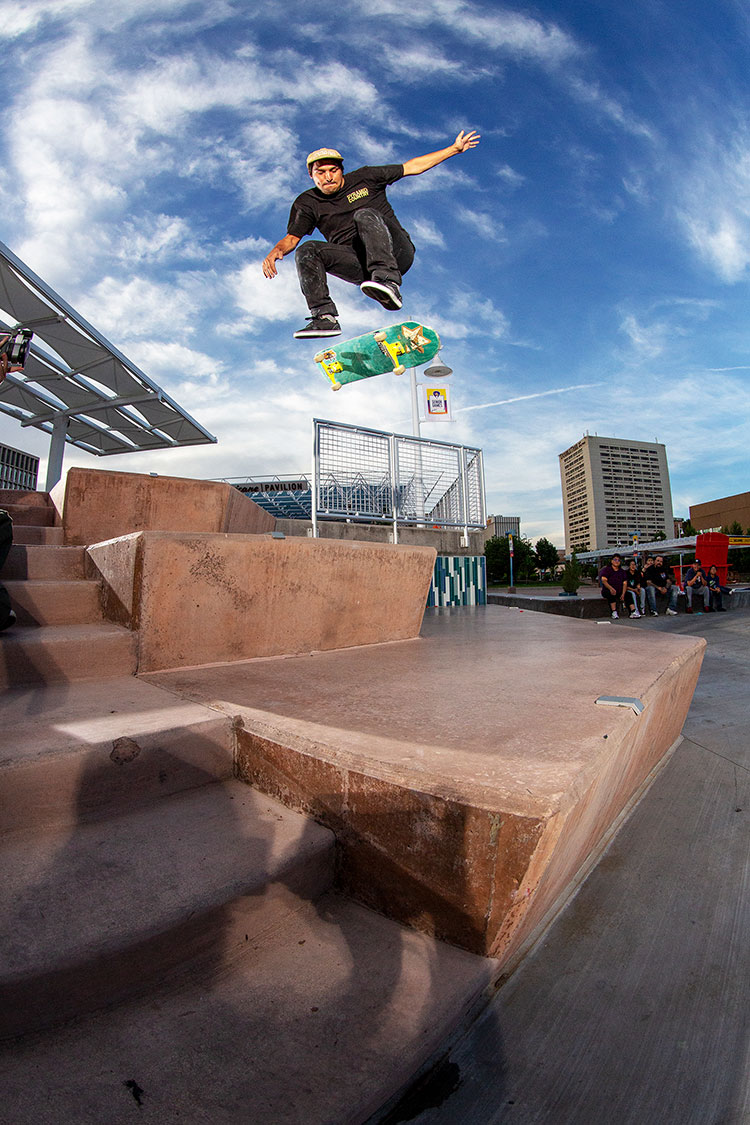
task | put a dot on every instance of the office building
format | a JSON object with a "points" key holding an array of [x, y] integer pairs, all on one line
{"points": [[715, 514], [613, 491]]}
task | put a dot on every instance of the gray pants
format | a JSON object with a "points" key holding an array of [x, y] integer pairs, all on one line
{"points": [[697, 592]]}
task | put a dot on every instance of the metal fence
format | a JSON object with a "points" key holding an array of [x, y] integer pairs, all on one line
{"points": [[375, 477]]}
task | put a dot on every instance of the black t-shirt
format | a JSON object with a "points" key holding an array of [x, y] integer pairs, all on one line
{"points": [[657, 575], [635, 578], [332, 214]]}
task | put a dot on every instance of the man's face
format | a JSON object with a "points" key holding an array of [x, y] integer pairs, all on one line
{"points": [[616, 562], [658, 561], [328, 176]]}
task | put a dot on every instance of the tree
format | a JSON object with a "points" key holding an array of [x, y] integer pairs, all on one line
{"points": [[497, 553], [688, 529], [546, 554], [571, 575], [659, 535]]}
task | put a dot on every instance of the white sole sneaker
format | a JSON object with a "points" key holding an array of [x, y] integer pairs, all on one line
{"points": [[383, 294]]}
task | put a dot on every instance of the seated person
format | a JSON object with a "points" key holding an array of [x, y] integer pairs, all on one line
{"points": [[7, 616], [659, 581], [635, 592], [696, 586], [613, 584], [713, 582]]}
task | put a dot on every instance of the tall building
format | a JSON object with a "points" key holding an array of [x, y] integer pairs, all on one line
{"points": [[613, 490]]}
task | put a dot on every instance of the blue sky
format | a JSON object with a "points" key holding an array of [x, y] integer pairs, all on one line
{"points": [[589, 261]]}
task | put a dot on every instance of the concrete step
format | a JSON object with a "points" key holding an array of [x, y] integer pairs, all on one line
{"points": [[18, 497], [75, 752], [108, 910], [49, 602], [319, 1023], [40, 515], [31, 654], [38, 535], [46, 562]]}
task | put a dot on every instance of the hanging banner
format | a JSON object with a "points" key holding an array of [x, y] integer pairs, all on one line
{"points": [[437, 404]]}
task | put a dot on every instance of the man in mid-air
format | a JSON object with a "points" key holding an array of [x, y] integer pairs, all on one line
{"points": [[365, 243]]}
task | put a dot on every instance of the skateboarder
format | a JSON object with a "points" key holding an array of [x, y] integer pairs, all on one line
{"points": [[365, 243]]}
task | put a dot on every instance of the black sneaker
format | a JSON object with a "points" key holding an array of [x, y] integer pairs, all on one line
{"points": [[10, 621], [385, 293], [324, 325]]}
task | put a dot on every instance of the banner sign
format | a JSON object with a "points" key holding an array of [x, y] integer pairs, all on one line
{"points": [[437, 404]]}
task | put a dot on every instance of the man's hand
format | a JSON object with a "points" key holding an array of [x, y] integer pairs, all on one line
{"points": [[465, 141], [269, 262], [283, 247], [419, 164]]}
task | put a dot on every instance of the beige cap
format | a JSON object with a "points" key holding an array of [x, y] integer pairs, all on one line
{"points": [[323, 154]]}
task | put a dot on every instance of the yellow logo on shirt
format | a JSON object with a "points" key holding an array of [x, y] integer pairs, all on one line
{"points": [[355, 195]]}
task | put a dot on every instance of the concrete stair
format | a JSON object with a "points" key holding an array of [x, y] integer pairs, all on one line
{"points": [[171, 942], [61, 634]]}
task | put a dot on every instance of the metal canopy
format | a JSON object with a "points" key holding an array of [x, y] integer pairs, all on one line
{"points": [[80, 388]]}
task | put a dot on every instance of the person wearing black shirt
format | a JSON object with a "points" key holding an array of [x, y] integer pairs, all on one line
{"points": [[635, 591], [658, 581], [365, 243]]}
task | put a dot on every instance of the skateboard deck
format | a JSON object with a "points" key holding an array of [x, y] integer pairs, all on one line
{"points": [[408, 344]]}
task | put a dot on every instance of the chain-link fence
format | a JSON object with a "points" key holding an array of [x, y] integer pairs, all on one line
{"points": [[372, 476]]}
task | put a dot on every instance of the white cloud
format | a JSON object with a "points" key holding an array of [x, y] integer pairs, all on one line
{"points": [[426, 233]]}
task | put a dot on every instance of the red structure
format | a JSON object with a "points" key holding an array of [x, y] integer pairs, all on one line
{"points": [[712, 548]]}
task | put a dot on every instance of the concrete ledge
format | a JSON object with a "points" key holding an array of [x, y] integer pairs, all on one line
{"points": [[588, 608], [94, 505], [469, 775], [204, 599]]}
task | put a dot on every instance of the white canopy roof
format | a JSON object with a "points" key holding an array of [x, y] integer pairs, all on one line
{"points": [[83, 384]]}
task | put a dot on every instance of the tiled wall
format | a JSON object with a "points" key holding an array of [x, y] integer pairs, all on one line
{"points": [[459, 580]]}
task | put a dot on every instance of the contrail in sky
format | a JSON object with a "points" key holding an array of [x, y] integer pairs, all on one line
{"points": [[520, 398]]}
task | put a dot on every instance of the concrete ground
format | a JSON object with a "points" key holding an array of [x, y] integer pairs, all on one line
{"points": [[635, 1005]]}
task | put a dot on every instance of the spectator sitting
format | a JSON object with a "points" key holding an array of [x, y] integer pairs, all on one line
{"points": [[695, 584], [658, 581], [7, 616], [714, 584], [613, 584], [635, 591]]}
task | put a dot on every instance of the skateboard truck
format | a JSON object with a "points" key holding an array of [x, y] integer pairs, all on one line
{"points": [[330, 364], [392, 351]]}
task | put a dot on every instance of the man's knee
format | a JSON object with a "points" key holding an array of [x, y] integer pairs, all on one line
{"points": [[369, 218], [306, 252]]}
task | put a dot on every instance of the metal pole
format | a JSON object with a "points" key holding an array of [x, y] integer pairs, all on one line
{"points": [[464, 494], [415, 425], [314, 498], [56, 451], [394, 471]]}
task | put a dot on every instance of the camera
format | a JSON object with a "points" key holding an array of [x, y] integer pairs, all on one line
{"points": [[14, 347]]}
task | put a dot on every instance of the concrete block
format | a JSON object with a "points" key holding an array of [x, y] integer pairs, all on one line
{"points": [[94, 505], [201, 599], [469, 775]]}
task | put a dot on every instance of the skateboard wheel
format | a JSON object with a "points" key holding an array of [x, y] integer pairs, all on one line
{"points": [[336, 386], [399, 370], [318, 358], [379, 337]]}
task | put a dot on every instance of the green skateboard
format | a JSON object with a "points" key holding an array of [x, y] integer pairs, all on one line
{"points": [[389, 349]]}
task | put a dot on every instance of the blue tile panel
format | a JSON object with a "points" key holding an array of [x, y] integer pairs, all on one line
{"points": [[459, 580]]}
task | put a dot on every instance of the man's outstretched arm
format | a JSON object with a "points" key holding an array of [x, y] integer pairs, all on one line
{"points": [[283, 247], [418, 164]]}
